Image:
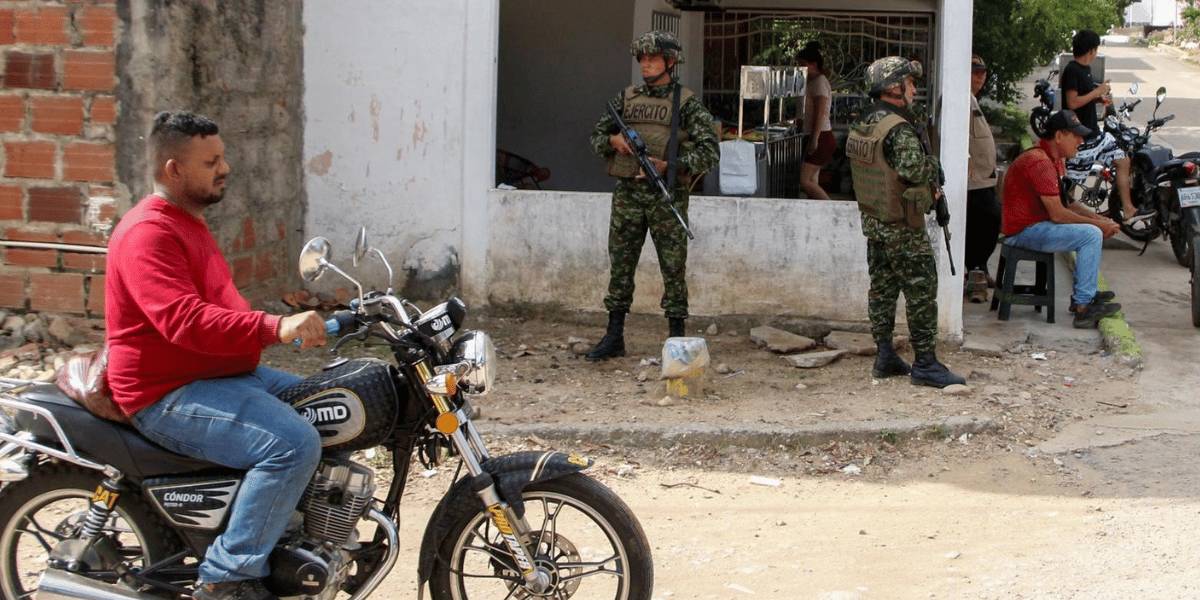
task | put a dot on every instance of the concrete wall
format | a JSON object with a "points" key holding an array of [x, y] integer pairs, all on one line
{"points": [[240, 64], [397, 127], [802, 258]]}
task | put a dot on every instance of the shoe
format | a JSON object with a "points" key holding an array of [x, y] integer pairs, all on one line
{"points": [[675, 327], [613, 342], [1143, 212], [246, 589], [926, 370], [976, 286], [1104, 296], [887, 362], [1089, 315]]}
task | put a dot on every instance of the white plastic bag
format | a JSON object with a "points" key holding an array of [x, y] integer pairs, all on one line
{"points": [[739, 171], [684, 357]]}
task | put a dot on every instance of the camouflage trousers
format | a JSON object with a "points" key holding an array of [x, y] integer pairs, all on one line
{"points": [[903, 262], [638, 207]]}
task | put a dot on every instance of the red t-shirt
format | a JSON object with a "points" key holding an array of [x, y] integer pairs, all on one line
{"points": [[1033, 175], [172, 313]]}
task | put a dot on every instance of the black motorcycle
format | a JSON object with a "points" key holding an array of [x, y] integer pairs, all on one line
{"points": [[94, 511]]}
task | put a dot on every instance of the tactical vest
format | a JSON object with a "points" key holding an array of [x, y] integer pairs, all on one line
{"points": [[876, 184], [651, 119]]}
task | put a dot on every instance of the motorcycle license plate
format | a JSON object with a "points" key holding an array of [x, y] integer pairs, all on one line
{"points": [[1189, 197]]}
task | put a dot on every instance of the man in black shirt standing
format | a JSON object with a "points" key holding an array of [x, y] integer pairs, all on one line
{"points": [[1081, 94]]}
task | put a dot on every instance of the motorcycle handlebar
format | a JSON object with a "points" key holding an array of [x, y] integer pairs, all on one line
{"points": [[339, 321]]}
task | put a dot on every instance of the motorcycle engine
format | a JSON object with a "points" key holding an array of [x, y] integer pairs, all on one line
{"points": [[312, 563]]}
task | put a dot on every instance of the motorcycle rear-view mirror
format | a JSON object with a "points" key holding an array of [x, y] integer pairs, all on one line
{"points": [[360, 246], [1133, 89], [1160, 95], [314, 258]]}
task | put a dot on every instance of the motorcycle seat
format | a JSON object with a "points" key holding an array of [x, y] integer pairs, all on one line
{"points": [[101, 440]]}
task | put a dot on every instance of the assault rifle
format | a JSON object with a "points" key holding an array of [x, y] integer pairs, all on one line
{"points": [[941, 207], [643, 157]]}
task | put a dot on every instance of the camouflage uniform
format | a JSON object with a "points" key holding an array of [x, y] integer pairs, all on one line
{"points": [[899, 256], [638, 207]]}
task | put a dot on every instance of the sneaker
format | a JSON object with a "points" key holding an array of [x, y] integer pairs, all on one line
{"points": [[1089, 315], [245, 589], [1104, 296]]}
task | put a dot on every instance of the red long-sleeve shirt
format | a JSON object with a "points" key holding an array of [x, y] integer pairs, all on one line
{"points": [[172, 312]]}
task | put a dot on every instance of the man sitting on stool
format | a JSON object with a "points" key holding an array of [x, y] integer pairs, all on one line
{"points": [[1037, 215]]}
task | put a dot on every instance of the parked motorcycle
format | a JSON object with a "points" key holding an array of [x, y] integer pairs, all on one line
{"points": [[1178, 207], [1088, 183], [94, 511]]}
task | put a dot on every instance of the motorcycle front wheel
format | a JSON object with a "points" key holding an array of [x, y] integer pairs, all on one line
{"points": [[49, 506], [582, 535]]}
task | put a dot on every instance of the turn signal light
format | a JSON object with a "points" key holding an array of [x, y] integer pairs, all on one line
{"points": [[1189, 167], [442, 385]]}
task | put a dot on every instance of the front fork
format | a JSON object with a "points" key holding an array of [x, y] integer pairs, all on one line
{"points": [[456, 425]]}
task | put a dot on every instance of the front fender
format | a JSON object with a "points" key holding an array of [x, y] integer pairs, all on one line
{"points": [[511, 474]]}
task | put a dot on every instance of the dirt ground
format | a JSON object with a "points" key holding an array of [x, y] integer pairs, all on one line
{"points": [[1028, 392], [983, 516]]}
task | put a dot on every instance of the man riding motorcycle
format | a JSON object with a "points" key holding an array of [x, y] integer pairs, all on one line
{"points": [[184, 349]]}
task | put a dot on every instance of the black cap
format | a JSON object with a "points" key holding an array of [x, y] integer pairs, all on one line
{"points": [[977, 64], [1066, 120]]}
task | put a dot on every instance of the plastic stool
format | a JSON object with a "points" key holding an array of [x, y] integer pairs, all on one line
{"points": [[1040, 294]]}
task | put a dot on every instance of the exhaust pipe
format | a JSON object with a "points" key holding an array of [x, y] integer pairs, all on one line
{"points": [[56, 584]]}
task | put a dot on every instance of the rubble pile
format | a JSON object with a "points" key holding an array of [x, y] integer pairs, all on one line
{"points": [[35, 346]]}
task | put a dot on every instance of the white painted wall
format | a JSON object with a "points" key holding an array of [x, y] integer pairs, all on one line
{"points": [[766, 256], [397, 96]]}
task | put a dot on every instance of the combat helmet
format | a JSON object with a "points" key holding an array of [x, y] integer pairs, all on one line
{"points": [[657, 42], [889, 72]]}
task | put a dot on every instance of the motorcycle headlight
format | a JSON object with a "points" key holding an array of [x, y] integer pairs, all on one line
{"points": [[475, 348]]}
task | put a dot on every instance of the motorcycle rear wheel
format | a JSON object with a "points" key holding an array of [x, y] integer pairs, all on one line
{"points": [[584, 536], [49, 506], [1196, 281], [1181, 243]]}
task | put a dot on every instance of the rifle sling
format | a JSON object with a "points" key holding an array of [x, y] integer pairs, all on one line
{"points": [[673, 143]]}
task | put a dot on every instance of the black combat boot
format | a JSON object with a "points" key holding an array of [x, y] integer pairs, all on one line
{"points": [[887, 362], [926, 370], [675, 327], [613, 342]]}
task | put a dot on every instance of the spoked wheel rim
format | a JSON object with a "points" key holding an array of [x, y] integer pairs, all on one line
{"points": [[27, 538], [573, 544]]}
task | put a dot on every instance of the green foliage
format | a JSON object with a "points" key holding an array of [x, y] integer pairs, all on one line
{"points": [[1191, 23], [1012, 121], [1014, 36]]}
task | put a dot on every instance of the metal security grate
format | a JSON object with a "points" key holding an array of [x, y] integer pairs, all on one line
{"points": [[849, 43], [662, 21]]}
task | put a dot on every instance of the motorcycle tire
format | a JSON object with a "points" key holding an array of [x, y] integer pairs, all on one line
{"points": [[1196, 281], [1037, 120], [50, 506], [583, 534], [1181, 240]]}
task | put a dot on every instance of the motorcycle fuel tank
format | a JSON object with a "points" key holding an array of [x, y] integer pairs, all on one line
{"points": [[353, 404]]}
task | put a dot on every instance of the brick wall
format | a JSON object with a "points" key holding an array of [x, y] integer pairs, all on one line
{"points": [[58, 113]]}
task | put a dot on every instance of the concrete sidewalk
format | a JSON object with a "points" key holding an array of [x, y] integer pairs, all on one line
{"points": [[982, 327]]}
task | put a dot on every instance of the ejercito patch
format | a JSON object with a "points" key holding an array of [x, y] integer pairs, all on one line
{"points": [[859, 148]]}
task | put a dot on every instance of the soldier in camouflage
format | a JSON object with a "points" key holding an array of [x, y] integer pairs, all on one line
{"points": [[893, 182], [637, 205]]}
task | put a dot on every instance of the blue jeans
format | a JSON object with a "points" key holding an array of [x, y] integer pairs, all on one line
{"points": [[239, 422], [1085, 240]]}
